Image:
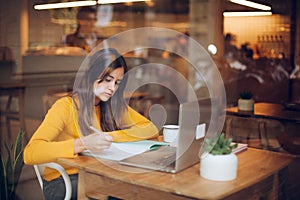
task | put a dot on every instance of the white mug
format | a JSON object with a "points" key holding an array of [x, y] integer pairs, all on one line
{"points": [[170, 132]]}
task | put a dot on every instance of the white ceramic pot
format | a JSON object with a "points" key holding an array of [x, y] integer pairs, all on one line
{"points": [[246, 104], [218, 167]]}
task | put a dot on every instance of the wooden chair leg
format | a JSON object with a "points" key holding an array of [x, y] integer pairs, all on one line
{"points": [[7, 120], [14, 91], [8, 129], [228, 127], [263, 134], [18, 115]]}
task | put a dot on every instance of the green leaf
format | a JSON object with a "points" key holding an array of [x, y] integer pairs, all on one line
{"points": [[221, 140], [227, 151], [19, 144], [234, 146], [8, 168], [18, 166], [3, 182]]}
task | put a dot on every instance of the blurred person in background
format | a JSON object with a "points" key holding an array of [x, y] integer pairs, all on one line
{"points": [[84, 36]]}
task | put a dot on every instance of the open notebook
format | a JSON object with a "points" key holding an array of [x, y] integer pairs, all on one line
{"points": [[120, 151]]}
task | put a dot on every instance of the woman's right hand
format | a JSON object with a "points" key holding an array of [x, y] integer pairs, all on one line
{"points": [[94, 142]]}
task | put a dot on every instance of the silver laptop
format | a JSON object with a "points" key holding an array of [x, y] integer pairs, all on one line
{"points": [[174, 159]]}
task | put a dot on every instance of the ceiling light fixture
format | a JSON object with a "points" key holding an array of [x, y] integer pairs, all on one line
{"points": [[246, 14], [118, 1], [64, 5], [251, 4], [80, 3]]}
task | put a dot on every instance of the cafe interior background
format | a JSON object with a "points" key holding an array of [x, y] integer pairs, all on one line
{"points": [[266, 61]]}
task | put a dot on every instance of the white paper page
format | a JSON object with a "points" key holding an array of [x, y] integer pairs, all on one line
{"points": [[119, 151], [113, 153]]}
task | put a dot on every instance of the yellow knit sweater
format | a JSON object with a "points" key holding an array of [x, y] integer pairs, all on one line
{"points": [[55, 136]]}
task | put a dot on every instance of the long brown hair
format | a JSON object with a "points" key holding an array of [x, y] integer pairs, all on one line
{"points": [[100, 64]]}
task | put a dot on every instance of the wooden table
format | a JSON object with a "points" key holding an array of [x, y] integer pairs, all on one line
{"points": [[263, 113], [259, 174], [268, 111]]}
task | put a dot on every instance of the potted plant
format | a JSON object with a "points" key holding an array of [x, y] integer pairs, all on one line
{"points": [[218, 163], [11, 167], [246, 101]]}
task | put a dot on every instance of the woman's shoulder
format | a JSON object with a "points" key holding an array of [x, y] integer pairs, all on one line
{"points": [[62, 107], [64, 101], [131, 111]]}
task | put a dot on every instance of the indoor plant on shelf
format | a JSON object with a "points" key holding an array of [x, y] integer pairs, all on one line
{"points": [[246, 101], [218, 162]]}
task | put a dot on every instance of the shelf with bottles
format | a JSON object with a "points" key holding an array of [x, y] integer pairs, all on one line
{"points": [[272, 46]]}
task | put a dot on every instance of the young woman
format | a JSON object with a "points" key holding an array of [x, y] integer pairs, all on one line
{"points": [[97, 100]]}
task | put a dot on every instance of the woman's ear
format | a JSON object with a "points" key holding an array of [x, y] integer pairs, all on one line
{"points": [[96, 82]]}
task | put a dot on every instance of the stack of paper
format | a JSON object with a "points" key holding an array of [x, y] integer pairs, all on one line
{"points": [[241, 147]]}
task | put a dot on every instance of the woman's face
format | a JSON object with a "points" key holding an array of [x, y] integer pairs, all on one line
{"points": [[106, 88]]}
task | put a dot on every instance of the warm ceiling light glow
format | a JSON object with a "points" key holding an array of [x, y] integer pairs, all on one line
{"points": [[150, 3], [65, 5], [251, 4], [81, 3], [246, 14], [119, 1]]}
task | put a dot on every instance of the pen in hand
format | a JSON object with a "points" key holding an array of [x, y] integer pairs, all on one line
{"points": [[96, 130], [108, 137], [96, 142]]}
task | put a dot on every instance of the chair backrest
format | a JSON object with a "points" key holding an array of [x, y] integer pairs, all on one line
{"points": [[52, 95], [7, 70], [39, 170]]}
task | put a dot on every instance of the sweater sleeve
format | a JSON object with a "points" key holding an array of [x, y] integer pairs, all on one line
{"points": [[138, 128], [54, 138]]}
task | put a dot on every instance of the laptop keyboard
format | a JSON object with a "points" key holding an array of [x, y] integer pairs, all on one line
{"points": [[168, 156], [166, 160], [162, 159]]}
